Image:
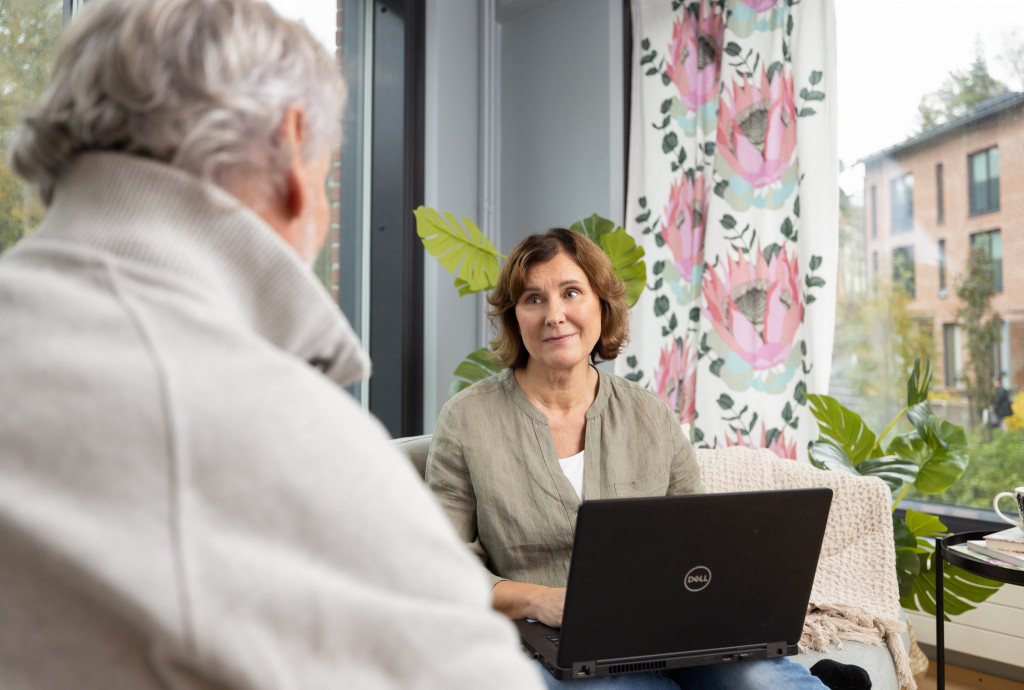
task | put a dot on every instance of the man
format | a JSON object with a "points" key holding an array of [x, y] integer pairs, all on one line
{"points": [[1001, 405], [188, 499]]}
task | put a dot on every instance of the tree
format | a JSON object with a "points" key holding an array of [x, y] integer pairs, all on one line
{"points": [[960, 93], [981, 326], [28, 32], [871, 367]]}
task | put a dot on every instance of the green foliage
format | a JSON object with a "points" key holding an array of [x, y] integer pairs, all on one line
{"points": [[879, 338], [995, 460], [930, 457], [467, 253], [960, 93], [28, 33], [981, 327], [476, 260], [478, 365]]}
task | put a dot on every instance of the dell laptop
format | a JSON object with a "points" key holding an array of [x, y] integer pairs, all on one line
{"points": [[673, 581]]}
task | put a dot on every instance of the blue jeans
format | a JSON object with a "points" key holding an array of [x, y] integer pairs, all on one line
{"points": [[775, 674]]}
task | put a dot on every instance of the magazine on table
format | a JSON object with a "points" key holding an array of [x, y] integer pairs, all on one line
{"points": [[1009, 557], [1011, 539], [965, 550]]}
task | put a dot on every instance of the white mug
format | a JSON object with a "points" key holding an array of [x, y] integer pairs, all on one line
{"points": [[1018, 495]]}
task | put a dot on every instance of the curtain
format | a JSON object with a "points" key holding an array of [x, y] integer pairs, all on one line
{"points": [[733, 193]]}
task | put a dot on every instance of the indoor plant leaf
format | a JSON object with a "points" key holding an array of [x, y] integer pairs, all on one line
{"points": [[919, 382], [593, 227], [891, 469], [478, 365], [466, 252], [826, 455], [627, 262], [844, 427]]}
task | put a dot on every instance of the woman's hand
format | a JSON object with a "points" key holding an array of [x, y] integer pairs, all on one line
{"points": [[523, 600]]}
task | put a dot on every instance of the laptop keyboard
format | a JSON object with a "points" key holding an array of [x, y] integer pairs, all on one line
{"points": [[553, 639]]}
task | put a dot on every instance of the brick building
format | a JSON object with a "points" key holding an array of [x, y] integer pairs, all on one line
{"points": [[932, 198]]}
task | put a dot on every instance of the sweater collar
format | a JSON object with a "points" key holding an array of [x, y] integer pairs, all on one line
{"points": [[141, 211]]}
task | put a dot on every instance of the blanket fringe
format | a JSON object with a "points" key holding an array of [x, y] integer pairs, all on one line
{"points": [[827, 624]]}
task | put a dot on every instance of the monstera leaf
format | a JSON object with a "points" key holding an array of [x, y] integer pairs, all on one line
{"points": [[844, 428], [627, 258], [931, 457], [915, 570], [465, 252], [478, 365]]}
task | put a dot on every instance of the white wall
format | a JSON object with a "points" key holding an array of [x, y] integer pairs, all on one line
{"points": [[524, 130]]}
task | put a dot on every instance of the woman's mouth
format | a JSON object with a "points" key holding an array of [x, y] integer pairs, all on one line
{"points": [[559, 339]]}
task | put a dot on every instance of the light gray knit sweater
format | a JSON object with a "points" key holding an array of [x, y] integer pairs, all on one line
{"points": [[184, 501]]}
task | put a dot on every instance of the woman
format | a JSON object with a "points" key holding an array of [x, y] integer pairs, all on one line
{"points": [[512, 456]]}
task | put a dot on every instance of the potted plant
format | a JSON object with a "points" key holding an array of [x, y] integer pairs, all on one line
{"points": [[930, 457], [466, 252]]}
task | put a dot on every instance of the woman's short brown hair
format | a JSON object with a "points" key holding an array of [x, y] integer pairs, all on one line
{"points": [[536, 249]]}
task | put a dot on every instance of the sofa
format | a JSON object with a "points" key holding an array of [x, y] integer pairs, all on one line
{"points": [[854, 615]]}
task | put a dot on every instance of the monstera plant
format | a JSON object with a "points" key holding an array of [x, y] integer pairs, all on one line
{"points": [[930, 457], [466, 252]]}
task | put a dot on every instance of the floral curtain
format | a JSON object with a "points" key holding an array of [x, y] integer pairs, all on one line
{"points": [[733, 194]]}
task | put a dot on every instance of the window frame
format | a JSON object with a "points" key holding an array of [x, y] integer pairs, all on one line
{"points": [[990, 184], [901, 193]]}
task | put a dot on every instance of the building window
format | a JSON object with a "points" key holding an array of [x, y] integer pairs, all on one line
{"points": [[983, 181], [950, 355], [874, 211], [991, 243], [874, 265], [942, 268], [939, 205], [903, 270], [902, 189]]}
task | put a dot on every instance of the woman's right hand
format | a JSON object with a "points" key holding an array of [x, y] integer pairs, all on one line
{"points": [[523, 600]]}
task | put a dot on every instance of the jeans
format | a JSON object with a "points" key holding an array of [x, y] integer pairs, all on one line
{"points": [[775, 674]]}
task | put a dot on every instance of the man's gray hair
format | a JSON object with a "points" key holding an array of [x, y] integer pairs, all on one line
{"points": [[199, 84]]}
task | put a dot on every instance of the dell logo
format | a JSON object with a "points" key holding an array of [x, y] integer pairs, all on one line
{"points": [[697, 578]]}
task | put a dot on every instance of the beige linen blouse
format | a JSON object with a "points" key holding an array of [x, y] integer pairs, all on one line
{"points": [[492, 466]]}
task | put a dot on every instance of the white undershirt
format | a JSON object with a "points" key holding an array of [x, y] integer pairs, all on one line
{"points": [[572, 467]]}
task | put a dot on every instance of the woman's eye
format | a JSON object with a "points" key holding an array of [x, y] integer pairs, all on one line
{"points": [[572, 293], [533, 299]]}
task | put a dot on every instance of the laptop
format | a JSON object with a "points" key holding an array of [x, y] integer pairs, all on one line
{"points": [[673, 581]]}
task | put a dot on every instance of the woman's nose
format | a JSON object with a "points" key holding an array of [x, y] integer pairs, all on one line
{"points": [[555, 314]]}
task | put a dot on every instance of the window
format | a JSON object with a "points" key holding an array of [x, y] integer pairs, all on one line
{"points": [[874, 265], [940, 212], [942, 268], [903, 270], [992, 244], [874, 211], [24, 65], [902, 193], [983, 181], [950, 355]]}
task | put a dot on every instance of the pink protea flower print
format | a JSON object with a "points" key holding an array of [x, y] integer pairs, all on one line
{"points": [[683, 229], [756, 307], [757, 128], [760, 5], [675, 380], [780, 445], [695, 56]]}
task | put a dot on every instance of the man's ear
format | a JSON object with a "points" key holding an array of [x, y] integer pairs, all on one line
{"points": [[292, 134]]}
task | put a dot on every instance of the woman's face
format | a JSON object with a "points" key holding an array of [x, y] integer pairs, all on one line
{"points": [[559, 315]]}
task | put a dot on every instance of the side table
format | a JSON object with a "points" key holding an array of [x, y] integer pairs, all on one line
{"points": [[993, 572]]}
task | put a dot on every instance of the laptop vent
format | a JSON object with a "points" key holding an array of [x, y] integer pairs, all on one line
{"points": [[637, 666]]}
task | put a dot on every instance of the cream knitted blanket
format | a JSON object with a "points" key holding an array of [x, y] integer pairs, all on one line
{"points": [[855, 595]]}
